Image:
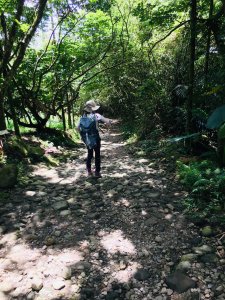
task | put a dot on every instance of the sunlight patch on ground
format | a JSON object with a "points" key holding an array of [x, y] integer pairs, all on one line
{"points": [[118, 175], [117, 134], [126, 167], [115, 242], [51, 175], [21, 254], [168, 216], [123, 202], [107, 144], [115, 146], [70, 173], [124, 276], [24, 265], [8, 239], [144, 212]]}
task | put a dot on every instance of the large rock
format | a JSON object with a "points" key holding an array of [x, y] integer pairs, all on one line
{"points": [[184, 266], [204, 249], [180, 282], [17, 147], [142, 274], [8, 176], [209, 258], [21, 148], [189, 257], [35, 151]]}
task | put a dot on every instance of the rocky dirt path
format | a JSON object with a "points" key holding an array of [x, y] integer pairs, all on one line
{"points": [[66, 236]]}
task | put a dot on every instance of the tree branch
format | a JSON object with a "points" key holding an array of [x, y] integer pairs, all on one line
{"points": [[168, 34], [57, 56], [4, 27], [12, 33], [29, 34]]}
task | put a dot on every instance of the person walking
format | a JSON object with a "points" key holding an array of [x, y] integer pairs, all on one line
{"points": [[88, 127]]}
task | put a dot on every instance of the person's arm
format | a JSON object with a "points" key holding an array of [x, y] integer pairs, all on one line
{"points": [[106, 120]]}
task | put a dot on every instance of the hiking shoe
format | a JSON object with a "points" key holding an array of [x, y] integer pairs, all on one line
{"points": [[98, 174]]}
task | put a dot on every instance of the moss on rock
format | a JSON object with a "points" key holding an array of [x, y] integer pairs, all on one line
{"points": [[35, 151], [207, 231], [18, 146], [50, 160], [8, 176]]}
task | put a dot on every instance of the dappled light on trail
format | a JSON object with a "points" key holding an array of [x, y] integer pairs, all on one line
{"points": [[115, 242], [67, 236], [22, 267], [124, 276]]}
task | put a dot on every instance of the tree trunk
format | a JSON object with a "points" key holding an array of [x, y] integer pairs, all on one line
{"points": [[216, 24], [69, 112], [21, 46], [207, 56], [69, 118], [73, 116], [14, 116], [2, 112], [193, 20], [63, 119]]}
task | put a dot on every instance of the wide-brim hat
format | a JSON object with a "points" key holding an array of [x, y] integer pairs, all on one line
{"points": [[91, 106]]}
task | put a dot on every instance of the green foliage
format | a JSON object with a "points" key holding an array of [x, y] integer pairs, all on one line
{"points": [[4, 196], [221, 132], [51, 160], [104, 5], [189, 175], [23, 26], [217, 118], [128, 130], [206, 184], [199, 114]]}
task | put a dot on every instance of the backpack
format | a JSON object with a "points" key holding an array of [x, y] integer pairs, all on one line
{"points": [[88, 131]]}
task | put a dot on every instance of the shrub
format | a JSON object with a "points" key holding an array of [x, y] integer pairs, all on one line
{"points": [[206, 184]]}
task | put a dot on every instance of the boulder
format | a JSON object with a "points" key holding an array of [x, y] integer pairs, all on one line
{"points": [[142, 275], [189, 257], [8, 176], [17, 147], [184, 266], [20, 148], [35, 152], [180, 282]]}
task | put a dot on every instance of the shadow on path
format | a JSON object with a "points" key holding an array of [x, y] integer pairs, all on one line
{"points": [[66, 236]]}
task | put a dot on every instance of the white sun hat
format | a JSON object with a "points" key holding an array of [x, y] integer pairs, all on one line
{"points": [[91, 106]]}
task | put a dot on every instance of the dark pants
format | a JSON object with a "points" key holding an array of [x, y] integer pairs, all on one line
{"points": [[97, 157]]}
